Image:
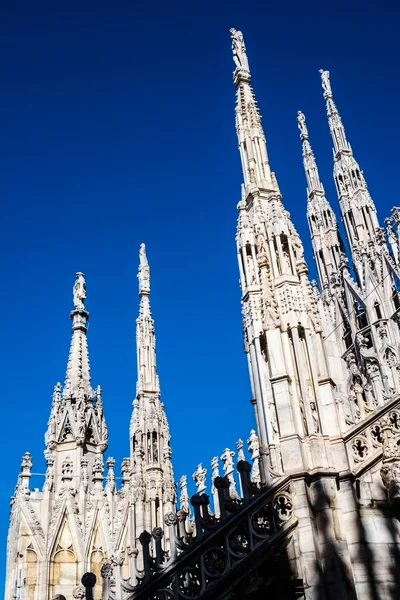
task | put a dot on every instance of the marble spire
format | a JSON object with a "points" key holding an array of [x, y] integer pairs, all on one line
{"points": [[145, 334], [77, 380], [325, 237], [149, 431], [356, 205], [252, 143], [76, 413]]}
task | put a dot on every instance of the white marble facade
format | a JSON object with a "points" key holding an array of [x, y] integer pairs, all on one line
{"points": [[324, 364]]}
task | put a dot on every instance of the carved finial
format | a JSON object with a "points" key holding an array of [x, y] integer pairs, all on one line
{"points": [[301, 122], [227, 459], [326, 84], [199, 477], [184, 505], [254, 448], [26, 464], [110, 479], [144, 272], [79, 292], [98, 467], [214, 468], [239, 50], [239, 446]]}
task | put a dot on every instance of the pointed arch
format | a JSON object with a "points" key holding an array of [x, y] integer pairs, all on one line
{"points": [[64, 562]]}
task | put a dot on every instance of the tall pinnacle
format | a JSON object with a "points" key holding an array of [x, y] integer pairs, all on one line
{"points": [[252, 144], [310, 166], [145, 335], [321, 218], [357, 207], [77, 381], [77, 410], [338, 134]]}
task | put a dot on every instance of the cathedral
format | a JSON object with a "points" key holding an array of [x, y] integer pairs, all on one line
{"points": [[314, 510]]}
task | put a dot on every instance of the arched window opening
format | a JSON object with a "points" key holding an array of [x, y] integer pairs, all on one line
{"points": [[360, 315], [287, 266], [148, 446], [347, 335], [64, 572], [31, 572], [96, 560], [378, 311], [155, 446]]}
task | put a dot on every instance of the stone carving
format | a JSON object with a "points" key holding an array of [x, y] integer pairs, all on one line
{"points": [[239, 445], [227, 460], [326, 84], [239, 50], [301, 122], [79, 292], [98, 466], [199, 477], [254, 449], [390, 471], [67, 468], [26, 464], [144, 271], [79, 592]]}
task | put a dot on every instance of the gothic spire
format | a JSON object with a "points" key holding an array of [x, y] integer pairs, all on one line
{"points": [[310, 166], [77, 380], [357, 207], [149, 431], [252, 143], [145, 335], [338, 134], [77, 410], [321, 218]]}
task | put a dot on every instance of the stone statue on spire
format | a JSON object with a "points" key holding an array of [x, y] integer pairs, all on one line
{"points": [[239, 50], [79, 292], [144, 271], [326, 84], [301, 122]]}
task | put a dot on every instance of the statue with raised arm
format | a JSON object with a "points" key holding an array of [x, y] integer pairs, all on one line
{"points": [[239, 50], [301, 122], [326, 84], [79, 292]]}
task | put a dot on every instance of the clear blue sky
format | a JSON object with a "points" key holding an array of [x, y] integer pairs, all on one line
{"points": [[117, 127]]}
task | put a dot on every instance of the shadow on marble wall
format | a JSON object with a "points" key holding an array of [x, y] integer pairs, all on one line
{"points": [[391, 517], [336, 581]]}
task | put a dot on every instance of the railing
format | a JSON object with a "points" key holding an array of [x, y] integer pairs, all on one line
{"points": [[208, 551]]}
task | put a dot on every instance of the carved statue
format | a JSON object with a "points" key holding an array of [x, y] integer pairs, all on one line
{"points": [[26, 463], [199, 477], [144, 271], [184, 496], [301, 122], [315, 418], [79, 292], [239, 50], [326, 84]]}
